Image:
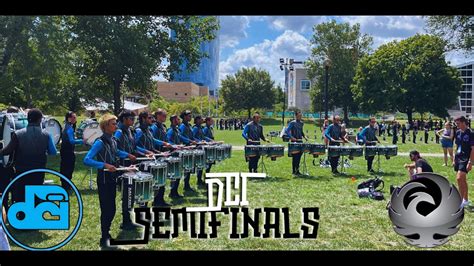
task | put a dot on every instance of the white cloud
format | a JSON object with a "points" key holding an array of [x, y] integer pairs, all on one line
{"points": [[233, 29], [295, 23], [265, 55]]}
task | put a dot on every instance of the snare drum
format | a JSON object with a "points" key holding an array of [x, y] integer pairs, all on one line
{"points": [[264, 150], [345, 151], [251, 151], [53, 127], [199, 159], [220, 153], [174, 167], [187, 159], [143, 187], [158, 169], [89, 130], [388, 151], [295, 148], [210, 152]]}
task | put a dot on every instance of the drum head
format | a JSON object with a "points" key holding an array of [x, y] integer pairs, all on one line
{"points": [[54, 129], [5, 136], [91, 132]]}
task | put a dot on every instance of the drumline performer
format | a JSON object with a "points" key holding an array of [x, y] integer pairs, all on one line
{"points": [[186, 132], [369, 138], [105, 151], [126, 142], [199, 136], [334, 135], [252, 133], [296, 134], [69, 142], [159, 132]]}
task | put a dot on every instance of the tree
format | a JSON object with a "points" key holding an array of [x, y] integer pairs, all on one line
{"points": [[131, 50], [344, 45], [407, 76], [279, 98], [249, 88], [457, 31]]}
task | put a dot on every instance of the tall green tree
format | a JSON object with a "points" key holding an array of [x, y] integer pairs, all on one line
{"points": [[457, 31], [130, 50], [408, 76], [249, 88], [343, 45]]}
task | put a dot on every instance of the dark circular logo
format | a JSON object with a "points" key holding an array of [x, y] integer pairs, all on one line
{"points": [[426, 210]]}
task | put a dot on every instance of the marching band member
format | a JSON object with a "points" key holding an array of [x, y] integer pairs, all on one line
{"points": [[68, 158], [159, 132], [174, 137], [105, 151], [334, 135], [252, 133], [143, 135], [126, 142], [463, 158], [296, 134], [186, 132], [198, 135], [369, 138], [30, 146]]}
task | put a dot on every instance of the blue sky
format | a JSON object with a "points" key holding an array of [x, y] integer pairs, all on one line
{"points": [[259, 41]]}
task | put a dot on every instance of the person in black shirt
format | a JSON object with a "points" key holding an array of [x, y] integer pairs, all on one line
{"points": [[404, 133], [463, 158], [419, 165]]}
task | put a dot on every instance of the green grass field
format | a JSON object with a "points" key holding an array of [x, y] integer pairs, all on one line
{"points": [[346, 222]]}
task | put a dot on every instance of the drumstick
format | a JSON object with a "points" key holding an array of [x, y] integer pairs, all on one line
{"points": [[140, 159], [123, 169]]}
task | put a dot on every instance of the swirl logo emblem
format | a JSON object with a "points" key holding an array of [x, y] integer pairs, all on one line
{"points": [[426, 210]]}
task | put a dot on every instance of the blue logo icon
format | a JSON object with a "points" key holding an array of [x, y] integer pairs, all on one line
{"points": [[46, 207], [40, 200]]}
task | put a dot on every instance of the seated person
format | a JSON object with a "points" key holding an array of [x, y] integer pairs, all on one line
{"points": [[419, 165]]}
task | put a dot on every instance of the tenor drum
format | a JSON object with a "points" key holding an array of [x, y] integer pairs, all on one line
{"points": [[334, 151], [371, 151], [276, 151], [227, 150], [317, 149], [295, 148], [355, 152], [251, 150]]}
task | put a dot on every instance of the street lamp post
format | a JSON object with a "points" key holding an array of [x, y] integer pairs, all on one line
{"points": [[286, 64], [327, 64]]}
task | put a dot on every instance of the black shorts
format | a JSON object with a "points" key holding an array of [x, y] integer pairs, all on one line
{"points": [[461, 165]]}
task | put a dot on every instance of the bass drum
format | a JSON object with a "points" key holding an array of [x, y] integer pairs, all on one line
{"points": [[89, 131], [53, 127], [5, 138]]}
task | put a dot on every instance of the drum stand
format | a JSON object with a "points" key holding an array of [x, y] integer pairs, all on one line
{"points": [[263, 166], [305, 168], [379, 170], [91, 181]]}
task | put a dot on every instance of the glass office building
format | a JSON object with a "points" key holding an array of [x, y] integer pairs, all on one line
{"points": [[466, 95], [207, 73]]}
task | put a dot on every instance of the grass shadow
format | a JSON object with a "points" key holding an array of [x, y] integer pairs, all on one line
{"points": [[28, 237]]}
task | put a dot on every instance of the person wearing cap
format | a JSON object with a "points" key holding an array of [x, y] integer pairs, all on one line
{"points": [[463, 158], [419, 165], [187, 138], [30, 146]]}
